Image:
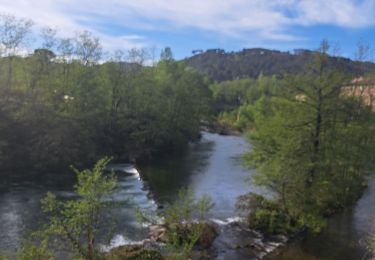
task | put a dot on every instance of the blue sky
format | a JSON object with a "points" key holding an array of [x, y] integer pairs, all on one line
{"points": [[186, 25]]}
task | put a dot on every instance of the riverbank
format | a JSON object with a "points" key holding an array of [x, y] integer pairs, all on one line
{"points": [[237, 241], [346, 235], [218, 128], [232, 240]]}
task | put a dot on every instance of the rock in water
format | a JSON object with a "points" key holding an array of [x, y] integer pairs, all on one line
{"points": [[158, 233], [207, 237], [236, 241]]}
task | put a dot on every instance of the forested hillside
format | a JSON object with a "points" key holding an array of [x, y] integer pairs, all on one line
{"points": [[220, 65]]}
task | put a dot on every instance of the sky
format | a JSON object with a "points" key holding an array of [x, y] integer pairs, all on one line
{"points": [[186, 25]]}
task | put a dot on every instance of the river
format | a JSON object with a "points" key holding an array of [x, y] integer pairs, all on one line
{"points": [[345, 237], [212, 167]]}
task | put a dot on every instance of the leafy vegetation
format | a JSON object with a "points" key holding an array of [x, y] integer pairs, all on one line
{"points": [[66, 101], [235, 101], [75, 223], [267, 215], [312, 148], [76, 226], [183, 230], [134, 253]]}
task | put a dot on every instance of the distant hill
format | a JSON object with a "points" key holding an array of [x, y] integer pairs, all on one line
{"points": [[220, 65]]}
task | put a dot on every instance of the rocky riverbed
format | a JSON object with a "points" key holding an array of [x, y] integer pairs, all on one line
{"points": [[224, 240], [237, 241]]}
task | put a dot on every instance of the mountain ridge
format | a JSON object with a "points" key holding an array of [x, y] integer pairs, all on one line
{"points": [[222, 66]]}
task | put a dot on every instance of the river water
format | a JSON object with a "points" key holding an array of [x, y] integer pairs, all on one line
{"points": [[212, 167], [346, 236]]}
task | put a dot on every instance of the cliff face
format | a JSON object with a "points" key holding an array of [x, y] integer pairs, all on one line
{"points": [[363, 87], [220, 65]]}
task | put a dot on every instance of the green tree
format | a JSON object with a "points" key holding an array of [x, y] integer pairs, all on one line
{"points": [[14, 32], [78, 221], [166, 54], [235, 100], [313, 147], [183, 232]]}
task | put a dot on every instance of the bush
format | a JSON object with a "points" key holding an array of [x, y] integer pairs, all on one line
{"points": [[183, 232], [133, 253], [31, 251], [267, 215], [75, 223], [3, 256]]}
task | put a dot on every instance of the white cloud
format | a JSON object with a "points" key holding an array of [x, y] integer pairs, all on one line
{"points": [[266, 19], [345, 13], [67, 17]]}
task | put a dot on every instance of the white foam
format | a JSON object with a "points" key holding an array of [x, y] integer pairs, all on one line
{"points": [[227, 221], [119, 240]]}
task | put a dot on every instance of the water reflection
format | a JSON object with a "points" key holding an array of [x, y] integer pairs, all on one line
{"points": [[211, 167], [345, 237]]}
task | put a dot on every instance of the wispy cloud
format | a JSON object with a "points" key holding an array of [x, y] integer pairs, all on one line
{"points": [[272, 19], [343, 13]]}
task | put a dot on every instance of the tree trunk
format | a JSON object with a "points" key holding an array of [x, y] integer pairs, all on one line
{"points": [[316, 141]]}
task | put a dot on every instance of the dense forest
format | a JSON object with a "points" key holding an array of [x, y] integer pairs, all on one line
{"points": [[65, 101], [223, 66]]}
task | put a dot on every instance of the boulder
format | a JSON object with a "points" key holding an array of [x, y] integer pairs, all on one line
{"points": [[207, 237], [158, 233]]}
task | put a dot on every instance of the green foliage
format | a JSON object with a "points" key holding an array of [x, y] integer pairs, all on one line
{"points": [[267, 215], [311, 148], [59, 104], [133, 253], [240, 119], [3, 256], [181, 240], [76, 223], [236, 100], [182, 231], [270, 216], [186, 207], [229, 95], [31, 251]]}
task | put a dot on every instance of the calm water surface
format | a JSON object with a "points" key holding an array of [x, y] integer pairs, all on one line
{"points": [[346, 236]]}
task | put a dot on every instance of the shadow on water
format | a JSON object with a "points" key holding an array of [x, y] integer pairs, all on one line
{"points": [[212, 167], [345, 237], [170, 173], [20, 195]]}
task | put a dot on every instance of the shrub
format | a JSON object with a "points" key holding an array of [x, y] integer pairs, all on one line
{"points": [[267, 215]]}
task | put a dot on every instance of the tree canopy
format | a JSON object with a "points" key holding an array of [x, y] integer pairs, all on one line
{"points": [[67, 101], [312, 147]]}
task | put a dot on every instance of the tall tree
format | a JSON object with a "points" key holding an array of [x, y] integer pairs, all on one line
{"points": [[76, 223], [13, 36], [313, 147]]}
